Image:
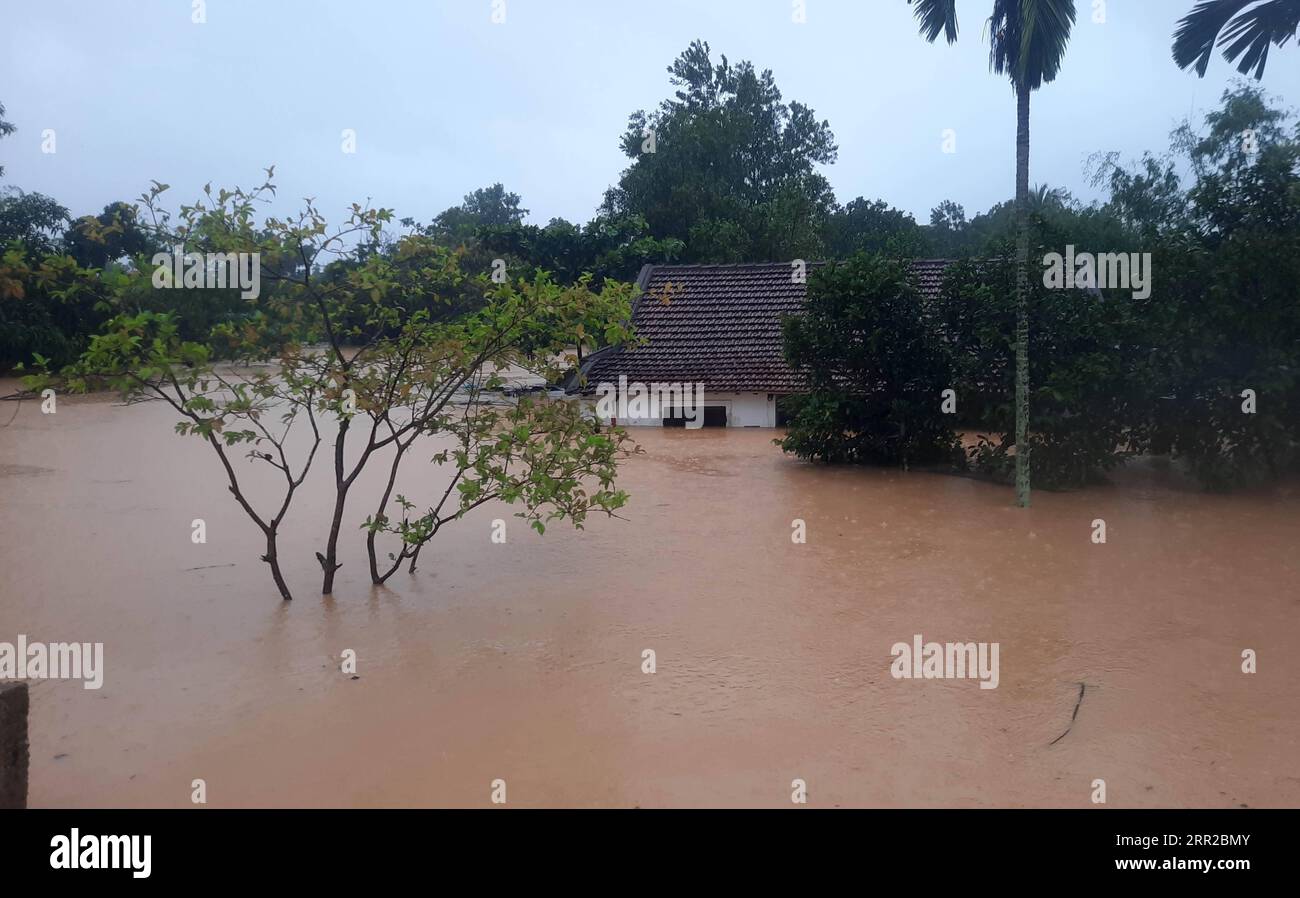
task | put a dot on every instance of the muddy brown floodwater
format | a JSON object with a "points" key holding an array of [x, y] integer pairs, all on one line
{"points": [[523, 661]]}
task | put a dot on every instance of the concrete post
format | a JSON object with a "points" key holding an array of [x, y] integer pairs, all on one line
{"points": [[13, 745]]}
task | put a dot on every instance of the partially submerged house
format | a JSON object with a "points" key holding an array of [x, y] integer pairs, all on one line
{"points": [[715, 325]]}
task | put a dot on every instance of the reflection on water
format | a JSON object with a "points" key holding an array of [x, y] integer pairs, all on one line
{"points": [[523, 661]]}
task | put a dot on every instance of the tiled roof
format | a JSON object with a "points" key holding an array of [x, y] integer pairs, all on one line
{"points": [[719, 325]]}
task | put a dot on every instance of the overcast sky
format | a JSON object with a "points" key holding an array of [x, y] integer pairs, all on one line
{"points": [[443, 100]]}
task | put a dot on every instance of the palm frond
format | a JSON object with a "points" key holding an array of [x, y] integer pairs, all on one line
{"points": [[1045, 27], [1246, 33], [1249, 34], [1198, 30], [1027, 39], [1004, 36], [934, 16]]}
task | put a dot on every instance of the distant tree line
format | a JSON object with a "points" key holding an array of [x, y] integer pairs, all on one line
{"points": [[723, 171], [727, 170]]}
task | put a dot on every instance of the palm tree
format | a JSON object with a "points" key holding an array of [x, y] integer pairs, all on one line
{"points": [[1027, 41], [1247, 35], [1042, 197]]}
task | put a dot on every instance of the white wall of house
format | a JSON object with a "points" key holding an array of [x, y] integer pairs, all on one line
{"points": [[750, 409], [743, 410]]}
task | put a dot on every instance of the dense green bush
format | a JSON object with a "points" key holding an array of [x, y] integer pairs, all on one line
{"points": [[878, 357], [1089, 372], [1227, 302], [49, 306], [1231, 324], [876, 368]]}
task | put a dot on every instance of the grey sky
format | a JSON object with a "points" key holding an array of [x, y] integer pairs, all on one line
{"points": [[443, 101]]}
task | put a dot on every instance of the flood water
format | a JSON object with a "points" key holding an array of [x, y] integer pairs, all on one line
{"points": [[523, 661]]}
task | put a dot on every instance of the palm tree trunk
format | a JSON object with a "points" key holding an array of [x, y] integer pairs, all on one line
{"points": [[1022, 296]]}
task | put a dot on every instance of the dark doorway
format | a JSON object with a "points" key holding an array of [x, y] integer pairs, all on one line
{"points": [[714, 416]]}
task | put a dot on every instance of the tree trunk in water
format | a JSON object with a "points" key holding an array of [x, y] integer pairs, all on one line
{"points": [[373, 555], [328, 562], [273, 559], [371, 552], [1022, 296]]}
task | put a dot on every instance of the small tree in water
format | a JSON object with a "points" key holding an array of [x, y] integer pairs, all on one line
{"points": [[353, 329]]}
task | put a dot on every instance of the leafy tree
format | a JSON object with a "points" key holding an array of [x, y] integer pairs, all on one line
{"points": [[537, 453], [873, 227], [96, 240], [487, 207], [1245, 167], [732, 172], [1149, 200], [51, 299], [362, 363], [1027, 43], [1055, 218], [1242, 28], [449, 291], [33, 218], [947, 231], [49, 306], [603, 248], [1231, 315]]}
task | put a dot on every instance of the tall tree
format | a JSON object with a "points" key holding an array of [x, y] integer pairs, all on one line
{"points": [[1242, 28], [947, 218], [487, 207], [726, 166], [1027, 40]]}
